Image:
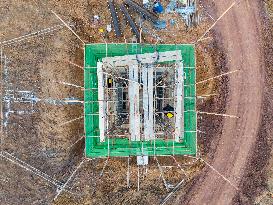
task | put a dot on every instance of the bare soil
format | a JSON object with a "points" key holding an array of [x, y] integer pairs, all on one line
{"points": [[41, 63], [257, 182]]}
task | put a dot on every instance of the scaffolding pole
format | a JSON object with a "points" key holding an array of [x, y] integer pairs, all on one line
{"points": [[145, 102], [133, 92], [102, 102], [150, 72], [138, 179], [128, 173], [179, 109], [147, 79]]}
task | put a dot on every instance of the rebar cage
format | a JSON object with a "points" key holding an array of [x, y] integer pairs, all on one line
{"points": [[108, 88]]}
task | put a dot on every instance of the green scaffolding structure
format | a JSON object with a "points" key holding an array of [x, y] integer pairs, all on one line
{"points": [[122, 147]]}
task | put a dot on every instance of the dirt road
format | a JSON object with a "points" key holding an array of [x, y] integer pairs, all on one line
{"points": [[240, 34]]}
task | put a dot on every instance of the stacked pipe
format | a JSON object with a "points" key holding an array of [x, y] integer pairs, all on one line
{"points": [[130, 21], [137, 8], [115, 20]]}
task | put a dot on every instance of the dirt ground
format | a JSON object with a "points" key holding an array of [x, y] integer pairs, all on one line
{"points": [[41, 63]]}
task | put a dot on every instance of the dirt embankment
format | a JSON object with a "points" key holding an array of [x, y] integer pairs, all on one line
{"points": [[257, 179]]}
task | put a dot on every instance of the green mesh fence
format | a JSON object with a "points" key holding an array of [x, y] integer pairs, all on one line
{"points": [[124, 147]]}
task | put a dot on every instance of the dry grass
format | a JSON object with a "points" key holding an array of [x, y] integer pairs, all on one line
{"points": [[39, 139]]}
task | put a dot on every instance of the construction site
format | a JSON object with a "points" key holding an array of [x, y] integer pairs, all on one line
{"points": [[136, 102]]}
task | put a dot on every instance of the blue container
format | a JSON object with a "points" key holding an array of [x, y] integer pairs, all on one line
{"points": [[158, 8]]}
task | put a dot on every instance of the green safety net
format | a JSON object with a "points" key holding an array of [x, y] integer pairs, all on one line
{"points": [[124, 147]]}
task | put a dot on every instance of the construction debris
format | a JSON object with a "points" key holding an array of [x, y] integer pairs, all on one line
{"points": [[109, 28], [147, 15], [143, 12], [187, 9]]}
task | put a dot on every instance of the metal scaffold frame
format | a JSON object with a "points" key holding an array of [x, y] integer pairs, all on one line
{"points": [[98, 143]]}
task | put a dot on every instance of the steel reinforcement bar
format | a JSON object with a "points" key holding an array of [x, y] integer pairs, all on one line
{"points": [[142, 11]]}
